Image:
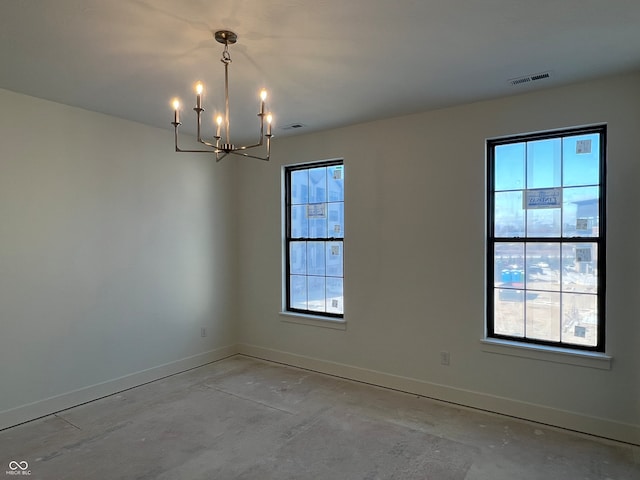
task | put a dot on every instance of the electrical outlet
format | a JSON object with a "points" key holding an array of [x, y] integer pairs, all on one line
{"points": [[203, 332], [444, 358]]}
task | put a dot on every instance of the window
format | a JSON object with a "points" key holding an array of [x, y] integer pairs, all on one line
{"points": [[314, 238], [546, 238]]}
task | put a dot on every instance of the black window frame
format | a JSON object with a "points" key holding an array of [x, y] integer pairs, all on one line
{"points": [[288, 169], [600, 240]]}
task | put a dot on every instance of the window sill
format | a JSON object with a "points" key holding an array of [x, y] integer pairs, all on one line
{"points": [[314, 320], [548, 354]]}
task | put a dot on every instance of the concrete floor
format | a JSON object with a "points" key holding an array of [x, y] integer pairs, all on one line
{"points": [[242, 418]]}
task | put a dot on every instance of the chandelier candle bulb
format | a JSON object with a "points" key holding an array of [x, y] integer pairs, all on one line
{"points": [[218, 125], [176, 111], [263, 97], [199, 89], [269, 119]]}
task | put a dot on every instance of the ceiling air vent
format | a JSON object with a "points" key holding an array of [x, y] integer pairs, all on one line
{"points": [[293, 126], [530, 78]]}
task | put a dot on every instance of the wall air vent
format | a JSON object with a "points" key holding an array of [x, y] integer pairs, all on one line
{"points": [[530, 78]]}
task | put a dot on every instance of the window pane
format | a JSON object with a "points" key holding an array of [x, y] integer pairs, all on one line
{"points": [[299, 186], [543, 163], [580, 267], [543, 266], [335, 296], [299, 221], [509, 264], [580, 319], [298, 291], [317, 214], [543, 222], [317, 185], [509, 167], [334, 259], [336, 220], [335, 181], [315, 258], [543, 316], [580, 210], [509, 312], [581, 160], [317, 298], [298, 258], [509, 215]]}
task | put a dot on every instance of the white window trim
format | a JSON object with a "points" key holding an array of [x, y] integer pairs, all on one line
{"points": [[323, 321], [580, 358], [560, 354], [313, 320]]}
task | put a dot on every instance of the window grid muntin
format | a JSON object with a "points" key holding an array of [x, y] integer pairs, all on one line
{"points": [[289, 171], [598, 240]]}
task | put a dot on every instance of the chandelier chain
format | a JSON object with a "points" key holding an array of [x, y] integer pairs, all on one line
{"points": [[226, 56]]}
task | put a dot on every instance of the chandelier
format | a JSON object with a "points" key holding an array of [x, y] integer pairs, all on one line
{"points": [[223, 146]]}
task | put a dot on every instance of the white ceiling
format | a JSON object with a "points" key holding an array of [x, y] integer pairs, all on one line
{"points": [[326, 63]]}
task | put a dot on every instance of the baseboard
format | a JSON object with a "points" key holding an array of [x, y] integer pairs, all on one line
{"points": [[48, 406], [600, 427]]}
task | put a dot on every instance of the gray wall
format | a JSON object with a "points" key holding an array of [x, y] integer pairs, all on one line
{"points": [[415, 253], [114, 253]]}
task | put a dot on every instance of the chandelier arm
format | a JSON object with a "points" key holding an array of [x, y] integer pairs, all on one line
{"points": [[209, 144], [220, 157], [266, 159], [224, 153], [237, 152], [180, 150], [215, 149], [262, 135], [175, 136], [250, 146], [235, 149]]}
